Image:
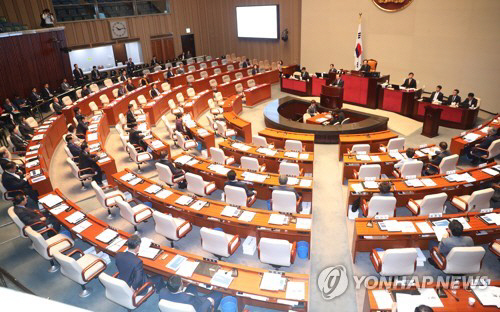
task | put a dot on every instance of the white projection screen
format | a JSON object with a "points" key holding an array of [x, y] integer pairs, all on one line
{"points": [[258, 21]]}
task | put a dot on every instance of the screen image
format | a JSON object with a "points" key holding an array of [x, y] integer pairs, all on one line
{"points": [[258, 21]]}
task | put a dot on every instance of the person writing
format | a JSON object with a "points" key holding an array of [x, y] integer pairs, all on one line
{"points": [[470, 102], [175, 292], [409, 82], [452, 238]]}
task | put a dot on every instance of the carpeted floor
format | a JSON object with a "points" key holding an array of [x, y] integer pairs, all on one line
{"points": [[332, 232]]}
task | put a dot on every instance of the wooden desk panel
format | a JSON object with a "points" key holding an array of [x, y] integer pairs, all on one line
{"points": [[361, 90], [159, 75], [458, 144], [452, 117], [278, 138], [346, 141], [241, 126], [204, 83], [228, 89], [257, 94], [178, 80], [314, 119], [158, 106], [398, 101]]}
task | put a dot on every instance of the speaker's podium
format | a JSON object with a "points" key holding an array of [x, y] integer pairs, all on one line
{"points": [[331, 97], [432, 116]]}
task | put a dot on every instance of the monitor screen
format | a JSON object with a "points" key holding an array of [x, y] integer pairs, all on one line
{"points": [[258, 21]]}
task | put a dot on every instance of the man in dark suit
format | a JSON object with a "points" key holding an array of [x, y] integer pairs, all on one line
{"points": [[454, 98], [85, 91], [46, 94], [10, 107], [436, 159], [338, 116], [65, 86], [34, 97], [5, 158], [154, 61], [89, 161], [200, 302], [26, 130], [144, 80], [452, 238], [95, 74], [122, 90], [78, 74], [409, 82], [176, 172], [181, 70], [13, 180], [136, 137], [479, 149], [58, 106], [470, 102], [365, 67], [154, 92], [131, 269], [130, 86], [313, 108], [437, 96], [246, 63], [17, 139], [283, 180], [332, 69], [304, 75], [338, 82], [130, 115], [30, 216], [130, 67], [73, 148], [231, 176], [170, 73], [82, 125]]}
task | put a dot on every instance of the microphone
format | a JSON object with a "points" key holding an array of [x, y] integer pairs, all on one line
{"points": [[467, 214], [370, 222]]}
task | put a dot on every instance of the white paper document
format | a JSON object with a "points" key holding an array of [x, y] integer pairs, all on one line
{"points": [[357, 187], [82, 226], [222, 279], [163, 194], [383, 299], [58, 209], [303, 223], [439, 231], [197, 205], [277, 219], [153, 189], [489, 296], [305, 183], [304, 156], [229, 211], [184, 200], [187, 268], [425, 227], [106, 236], [183, 159], [51, 200], [292, 154], [292, 181], [272, 282], [75, 217], [247, 216], [176, 262], [295, 290], [116, 245]]}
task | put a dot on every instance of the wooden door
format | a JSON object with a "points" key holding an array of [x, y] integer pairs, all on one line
{"points": [[163, 48], [120, 53], [188, 44]]}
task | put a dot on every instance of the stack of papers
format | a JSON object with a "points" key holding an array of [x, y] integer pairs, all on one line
{"points": [[229, 211], [183, 159], [292, 181], [82, 226], [220, 169], [489, 296], [292, 154], [106, 236], [127, 177], [363, 157], [470, 137], [425, 227], [266, 151], [357, 188], [153, 189], [305, 183], [295, 290], [58, 209], [92, 137], [135, 181], [375, 158], [37, 137], [492, 218], [184, 200], [145, 249], [163, 194], [186, 269], [247, 216], [51, 200], [75, 217], [370, 184], [254, 177], [32, 163], [197, 205], [157, 144], [303, 223], [272, 282], [278, 219], [383, 299], [428, 182], [116, 244], [304, 156], [396, 155], [439, 231], [414, 183], [176, 262], [490, 171]]}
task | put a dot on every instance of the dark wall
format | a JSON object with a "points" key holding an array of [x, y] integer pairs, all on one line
{"points": [[30, 60]]}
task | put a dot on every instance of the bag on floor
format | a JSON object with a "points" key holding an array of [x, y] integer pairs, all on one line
{"points": [[355, 204]]}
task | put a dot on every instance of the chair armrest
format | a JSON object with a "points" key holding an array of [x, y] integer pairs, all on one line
{"points": [[301, 171], [299, 200], [355, 174], [364, 207], [43, 231], [376, 261], [231, 251], [462, 200], [36, 223], [58, 242], [432, 165], [88, 267], [18, 159], [415, 203], [109, 198], [146, 296], [76, 250], [177, 231], [293, 252], [263, 168], [206, 186], [6, 194], [438, 258], [109, 187], [140, 211], [481, 149], [85, 169], [115, 275], [492, 249]]}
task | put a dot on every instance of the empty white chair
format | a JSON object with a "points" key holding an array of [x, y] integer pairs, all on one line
{"points": [[203, 74], [170, 128], [383, 205], [95, 110], [189, 79], [218, 157], [203, 65], [277, 252], [460, 260], [190, 92], [142, 100], [433, 203], [165, 175], [359, 149], [174, 109], [394, 262], [226, 78], [214, 63], [224, 61], [32, 122], [94, 88], [134, 214], [115, 93], [214, 109], [285, 201], [475, 202], [230, 67], [47, 247], [223, 131], [180, 98], [196, 185], [107, 199], [413, 168], [67, 100], [218, 98], [81, 174], [172, 228], [104, 99], [305, 117], [81, 271], [237, 196], [368, 172], [249, 72], [239, 88], [119, 292], [251, 164], [290, 169], [238, 75], [218, 242], [293, 145], [393, 144], [251, 83], [78, 93], [138, 157], [259, 141], [183, 143], [217, 71], [171, 306], [191, 68], [211, 122], [120, 130], [156, 69], [213, 84], [108, 82], [165, 86]]}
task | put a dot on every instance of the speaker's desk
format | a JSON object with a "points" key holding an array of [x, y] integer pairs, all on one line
{"points": [[295, 86], [360, 90], [397, 101]]}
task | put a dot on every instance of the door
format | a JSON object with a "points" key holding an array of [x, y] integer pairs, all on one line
{"points": [[188, 44], [120, 53], [163, 48]]}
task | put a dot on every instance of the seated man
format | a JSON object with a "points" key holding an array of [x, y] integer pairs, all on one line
{"points": [[58, 106], [85, 91], [312, 109], [83, 125], [203, 303], [231, 176], [410, 152], [409, 82], [130, 115], [452, 238], [65, 86], [338, 82], [89, 162], [136, 137], [26, 130], [131, 269], [454, 98], [283, 179], [95, 74], [470, 102], [29, 216], [78, 139], [17, 139], [181, 70], [304, 74], [437, 96], [154, 92], [6, 158], [384, 189], [13, 180], [365, 67], [436, 159], [176, 172], [144, 80], [73, 148], [474, 153], [130, 85], [338, 116]]}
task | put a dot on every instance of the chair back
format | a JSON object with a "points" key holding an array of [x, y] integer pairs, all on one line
{"points": [[398, 261], [211, 104], [115, 93], [165, 86], [230, 67], [195, 184], [224, 62], [74, 167], [123, 119], [412, 168], [249, 163], [293, 145], [480, 199], [117, 290], [32, 122], [238, 75], [284, 201], [99, 193], [464, 260], [260, 141], [191, 68], [39, 243], [448, 163], [211, 122], [235, 196], [108, 82], [171, 104], [218, 156], [191, 92], [213, 83], [142, 99], [67, 100], [170, 129], [180, 97], [203, 74], [16, 220], [494, 149], [360, 148], [221, 128], [134, 105], [369, 171], [126, 211], [51, 106], [94, 88], [218, 96], [172, 306], [384, 205], [93, 106], [78, 93], [165, 225], [217, 71], [238, 87], [203, 65], [396, 144], [305, 117], [214, 63], [104, 99], [289, 169], [124, 139], [226, 78], [214, 241], [273, 66], [275, 251], [251, 83], [69, 267], [119, 128], [373, 64], [180, 138], [189, 79], [68, 152], [132, 151], [164, 173]]}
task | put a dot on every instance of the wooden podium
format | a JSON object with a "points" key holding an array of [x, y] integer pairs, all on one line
{"points": [[432, 116], [331, 97]]}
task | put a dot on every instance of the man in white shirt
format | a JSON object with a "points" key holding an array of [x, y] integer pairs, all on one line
{"points": [[437, 96], [410, 152]]}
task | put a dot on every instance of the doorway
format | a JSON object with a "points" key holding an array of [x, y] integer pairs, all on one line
{"points": [[188, 44], [163, 48]]}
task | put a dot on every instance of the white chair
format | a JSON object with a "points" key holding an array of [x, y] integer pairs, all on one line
{"points": [[174, 109], [81, 271], [218, 157], [218, 98], [238, 88], [249, 72], [251, 164], [120, 130], [190, 92], [165, 175], [51, 106], [448, 163], [196, 185], [290, 169], [78, 93], [368, 172], [237, 196], [94, 88], [203, 74], [383, 205], [259, 141], [142, 100], [134, 214], [214, 63], [67, 100], [170, 128], [20, 225], [124, 139], [94, 109], [214, 109], [171, 306], [475, 202], [180, 98], [413, 168], [226, 79], [305, 117], [495, 247], [219, 243], [165, 86], [224, 62], [277, 252], [285, 201], [119, 292], [186, 145], [81, 174], [433, 203], [460, 260], [223, 131], [293, 145], [138, 157], [47, 247], [211, 122], [492, 151], [217, 71], [203, 66], [191, 68], [251, 83], [189, 79], [32, 122], [359, 149], [230, 67], [393, 144], [107, 196], [104, 99], [213, 84], [115, 93], [394, 262], [108, 82], [172, 228]]}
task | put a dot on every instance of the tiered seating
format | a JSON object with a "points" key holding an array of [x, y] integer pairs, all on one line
{"points": [[6, 26]]}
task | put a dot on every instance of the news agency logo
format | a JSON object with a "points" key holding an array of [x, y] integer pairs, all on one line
{"points": [[333, 282]]}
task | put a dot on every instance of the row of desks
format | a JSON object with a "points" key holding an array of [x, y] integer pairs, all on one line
{"points": [[459, 143], [159, 75], [375, 139]]}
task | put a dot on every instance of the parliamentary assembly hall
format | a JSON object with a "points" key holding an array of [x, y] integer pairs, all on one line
{"points": [[249, 155]]}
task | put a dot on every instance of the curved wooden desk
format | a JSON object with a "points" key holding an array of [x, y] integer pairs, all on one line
{"points": [[158, 106], [204, 83], [278, 138], [228, 89], [346, 141], [181, 79], [159, 75], [458, 143]]}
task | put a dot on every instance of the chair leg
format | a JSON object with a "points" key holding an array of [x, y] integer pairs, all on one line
{"points": [[110, 215], [53, 268], [171, 243], [276, 267], [139, 167], [83, 186], [85, 291], [136, 229]]}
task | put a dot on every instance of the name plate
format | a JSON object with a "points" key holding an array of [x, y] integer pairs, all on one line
{"points": [[486, 210], [451, 172], [423, 145], [393, 151], [410, 177], [370, 178], [482, 165], [435, 215], [381, 217]]}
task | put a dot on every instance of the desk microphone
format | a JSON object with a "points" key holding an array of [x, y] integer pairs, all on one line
{"points": [[370, 222], [468, 212]]}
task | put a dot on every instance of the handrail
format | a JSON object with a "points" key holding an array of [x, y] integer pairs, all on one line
{"points": [[13, 280]]}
